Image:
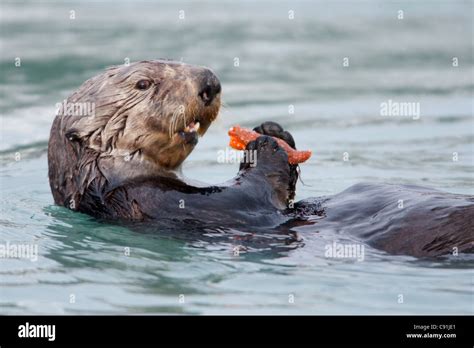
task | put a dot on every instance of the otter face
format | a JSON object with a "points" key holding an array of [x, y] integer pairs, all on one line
{"points": [[152, 111]]}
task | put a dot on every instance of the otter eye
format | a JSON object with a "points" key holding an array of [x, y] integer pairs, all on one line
{"points": [[143, 84]]}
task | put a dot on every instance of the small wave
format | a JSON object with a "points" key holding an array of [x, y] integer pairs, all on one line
{"points": [[22, 152]]}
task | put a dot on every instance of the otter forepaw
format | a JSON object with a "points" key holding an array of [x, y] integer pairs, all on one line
{"points": [[264, 153], [266, 159], [275, 130]]}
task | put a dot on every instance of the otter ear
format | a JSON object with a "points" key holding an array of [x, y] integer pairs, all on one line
{"points": [[72, 135]]}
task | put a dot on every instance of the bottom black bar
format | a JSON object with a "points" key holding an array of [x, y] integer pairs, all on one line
{"points": [[236, 330]]}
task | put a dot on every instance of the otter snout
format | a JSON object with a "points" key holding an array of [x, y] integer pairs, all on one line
{"points": [[209, 87]]}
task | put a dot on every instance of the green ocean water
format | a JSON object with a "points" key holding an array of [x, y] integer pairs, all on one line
{"points": [[290, 71]]}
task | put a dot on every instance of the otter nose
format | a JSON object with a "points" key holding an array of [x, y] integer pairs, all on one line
{"points": [[210, 87]]}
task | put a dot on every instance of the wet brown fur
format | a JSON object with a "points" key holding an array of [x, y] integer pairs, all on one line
{"points": [[132, 132]]}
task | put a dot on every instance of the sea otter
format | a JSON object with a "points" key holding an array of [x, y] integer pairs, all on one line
{"points": [[121, 162]]}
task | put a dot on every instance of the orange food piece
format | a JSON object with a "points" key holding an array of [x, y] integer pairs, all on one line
{"points": [[240, 137]]}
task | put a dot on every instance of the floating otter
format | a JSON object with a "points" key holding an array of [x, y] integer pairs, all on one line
{"points": [[123, 163]]}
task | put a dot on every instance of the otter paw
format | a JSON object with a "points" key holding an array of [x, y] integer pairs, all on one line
{"points": [[264, 153], [271, 164], [275, 130]]}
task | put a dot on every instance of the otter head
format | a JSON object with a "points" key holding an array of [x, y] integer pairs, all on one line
{"points": [[139, 119]]}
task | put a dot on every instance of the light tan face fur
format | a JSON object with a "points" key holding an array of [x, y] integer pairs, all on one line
{"points": [[144, 125]]}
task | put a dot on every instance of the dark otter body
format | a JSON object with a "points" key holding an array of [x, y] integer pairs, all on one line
{"points": [[122, 163], [429, 223]]}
